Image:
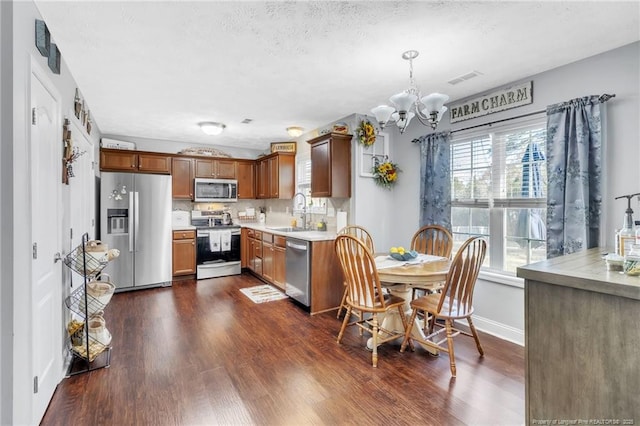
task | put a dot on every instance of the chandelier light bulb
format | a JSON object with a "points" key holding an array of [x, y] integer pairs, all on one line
{"points": [[409, 103]]}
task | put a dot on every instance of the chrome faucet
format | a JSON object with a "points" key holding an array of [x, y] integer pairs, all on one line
{"points": [[303, 216]]}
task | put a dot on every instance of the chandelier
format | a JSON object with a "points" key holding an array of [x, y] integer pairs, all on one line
{"points": [[410, 103]]}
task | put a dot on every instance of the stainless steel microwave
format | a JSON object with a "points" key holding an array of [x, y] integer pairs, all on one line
{"points": [[215, 190]]}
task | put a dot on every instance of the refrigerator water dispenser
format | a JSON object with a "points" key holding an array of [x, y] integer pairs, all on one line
{"points": [[117, 221]]}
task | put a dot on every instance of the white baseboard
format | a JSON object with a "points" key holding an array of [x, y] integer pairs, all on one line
{"points": [[505, 332]]}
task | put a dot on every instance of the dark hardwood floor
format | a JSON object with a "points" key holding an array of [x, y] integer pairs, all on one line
{"points": [[201, 353]]}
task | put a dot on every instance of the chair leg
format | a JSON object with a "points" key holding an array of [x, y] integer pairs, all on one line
{"points": [[344, 323], [405, 325], [452, 358], [342, 302], [374, 354], [475, 336], [407, 330]]}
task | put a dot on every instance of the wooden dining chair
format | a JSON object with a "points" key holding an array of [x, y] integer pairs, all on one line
{"points": [[435, 240], [365, 293], [363, 235], [455, 302]]}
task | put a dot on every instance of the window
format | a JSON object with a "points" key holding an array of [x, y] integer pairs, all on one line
{"points": [[498, 190]]}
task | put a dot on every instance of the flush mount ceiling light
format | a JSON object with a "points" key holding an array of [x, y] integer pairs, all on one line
{"points": [[211, 128], [295, 131], [409, 104]]}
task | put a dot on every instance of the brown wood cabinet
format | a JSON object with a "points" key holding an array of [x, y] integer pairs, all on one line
{"points": [[116, 160], [246, 175], [326, 277], [182, 178], [244, 248], [267, 256], [214, 168], [255, 251], [184, 252], [276, 176], [331, 165], [279, 261]]}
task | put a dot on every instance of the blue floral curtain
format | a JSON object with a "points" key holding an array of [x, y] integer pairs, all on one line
{"points": [[435, 180], [574, 174]]}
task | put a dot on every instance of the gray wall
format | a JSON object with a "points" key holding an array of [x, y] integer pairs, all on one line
{"points": [[500, 307]]}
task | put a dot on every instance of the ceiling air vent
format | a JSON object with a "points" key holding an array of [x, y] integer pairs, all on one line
{"points": [[465, 77], [247, 120]]}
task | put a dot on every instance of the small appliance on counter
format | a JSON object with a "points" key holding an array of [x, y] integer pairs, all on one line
{"points": [[180, 219]]}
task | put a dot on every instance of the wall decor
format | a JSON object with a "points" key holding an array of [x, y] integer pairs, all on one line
{"points": [[43, 38], [54, 59], [77, 104], [385, 172], [366, 133], [511, 97], [283, 147], [369, 155], [70, 153]]}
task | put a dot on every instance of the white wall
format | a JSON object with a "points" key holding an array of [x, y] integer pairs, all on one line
{"points": [[6, 269], [614, 72], [16, 228]]}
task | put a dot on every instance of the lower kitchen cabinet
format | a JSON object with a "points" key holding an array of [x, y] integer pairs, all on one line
{"points": [[267, 256], [244, 247], [326, 278], [184, 253], [279, 261]]}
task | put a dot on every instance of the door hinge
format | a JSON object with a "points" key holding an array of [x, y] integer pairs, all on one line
{"points": [[35, 250], [71, 234], [35, 384], [34, 116]]}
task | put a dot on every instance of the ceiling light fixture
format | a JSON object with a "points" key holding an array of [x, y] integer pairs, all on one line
{"points": [[211, 128], [295, 131], [409, 104]]}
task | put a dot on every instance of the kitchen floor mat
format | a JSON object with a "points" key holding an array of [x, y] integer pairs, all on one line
{"points": [[263, 293]]}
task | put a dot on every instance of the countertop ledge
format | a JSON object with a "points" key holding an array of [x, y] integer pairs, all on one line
{"points": [[184, 228], [585, 270], [300, 235]]}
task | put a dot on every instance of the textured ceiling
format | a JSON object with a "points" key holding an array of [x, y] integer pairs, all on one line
{"points": [[155, 69]]}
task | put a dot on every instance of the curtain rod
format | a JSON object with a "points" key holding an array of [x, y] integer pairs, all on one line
{"points": [[602, 98]]}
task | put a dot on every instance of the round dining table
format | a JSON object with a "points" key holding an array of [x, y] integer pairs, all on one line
{"points": [[400, 278]]}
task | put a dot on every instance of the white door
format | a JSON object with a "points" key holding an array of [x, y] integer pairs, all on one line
{"points": [[81, 189], [46, 279]]}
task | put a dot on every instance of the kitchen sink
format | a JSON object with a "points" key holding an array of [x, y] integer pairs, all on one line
{"points": [[287, 229]]}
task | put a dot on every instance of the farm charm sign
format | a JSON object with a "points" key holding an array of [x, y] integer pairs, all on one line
{"points": [[511, 97]]}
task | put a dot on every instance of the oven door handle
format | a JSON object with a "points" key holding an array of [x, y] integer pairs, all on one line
{"points": [[218, 264]]}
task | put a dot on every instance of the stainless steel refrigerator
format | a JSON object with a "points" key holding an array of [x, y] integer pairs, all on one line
{"points": [[135, 218]]}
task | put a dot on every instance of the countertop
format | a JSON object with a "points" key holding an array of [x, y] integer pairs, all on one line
{"points": [[301, 235], [183, 228], [585, 270]]}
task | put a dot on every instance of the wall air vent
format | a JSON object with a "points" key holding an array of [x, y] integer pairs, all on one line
{"points": [[465, 77]]}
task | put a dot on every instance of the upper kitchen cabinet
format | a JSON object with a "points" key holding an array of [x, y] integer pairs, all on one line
{"points": [[331, 165], [182, 178], [116, 160], [246, 175], [276, 176], [215, 168]]}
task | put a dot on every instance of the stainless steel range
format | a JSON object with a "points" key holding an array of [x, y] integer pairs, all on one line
{"points": [[218, 244]]}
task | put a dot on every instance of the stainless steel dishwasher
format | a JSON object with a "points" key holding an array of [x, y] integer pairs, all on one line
{"points": [[298, 285]]}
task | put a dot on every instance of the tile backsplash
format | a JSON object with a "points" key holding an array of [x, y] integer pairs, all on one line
{"points": [[277, 212]]}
